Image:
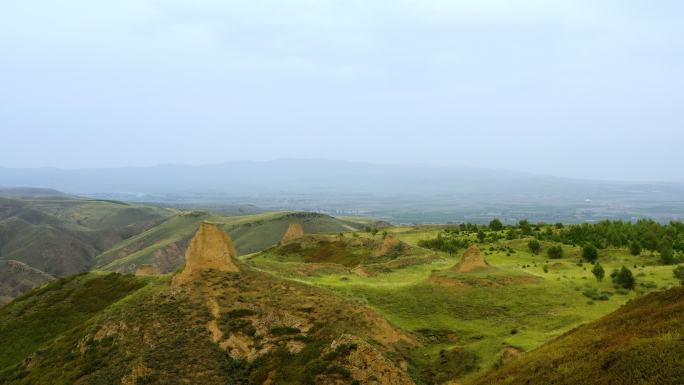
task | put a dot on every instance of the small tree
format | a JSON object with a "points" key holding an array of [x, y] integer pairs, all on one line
{"points": [[679, 274], [384, 234], [667, 255], [624, 278], [590, 253], [598, 271], [534, 246], [481, 235], [495, 225], [555, 252], [634, 248], [525, 227], [374, 231]]}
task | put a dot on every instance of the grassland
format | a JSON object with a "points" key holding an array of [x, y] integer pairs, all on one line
{"points": [[483, 317]]}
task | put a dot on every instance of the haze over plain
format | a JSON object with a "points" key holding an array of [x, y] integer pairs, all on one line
{"points": [[578, 89]]}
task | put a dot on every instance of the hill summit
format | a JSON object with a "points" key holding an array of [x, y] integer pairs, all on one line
{"points": [[210, 248]]}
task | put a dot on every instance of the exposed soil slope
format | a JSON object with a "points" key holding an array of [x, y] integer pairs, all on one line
{"points": [[471, 260], [294, 231], [209, 249]]}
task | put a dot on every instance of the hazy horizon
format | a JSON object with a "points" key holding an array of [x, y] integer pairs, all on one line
{"points": [[581, 90], [342, 161]]}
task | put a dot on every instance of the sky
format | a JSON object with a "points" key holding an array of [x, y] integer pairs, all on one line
{"points": [[583, 88]]}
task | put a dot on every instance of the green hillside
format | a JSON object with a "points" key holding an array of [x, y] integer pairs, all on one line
{"points": [[62, 236], [17, 277], [44, 315], [641, 343]]}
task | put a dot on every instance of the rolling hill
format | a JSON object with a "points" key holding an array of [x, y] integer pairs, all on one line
{"points": [[163, 245], [62, 236], [239, 326]]}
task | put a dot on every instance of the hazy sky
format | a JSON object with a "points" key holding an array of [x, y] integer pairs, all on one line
{"points": [[583, 88]]}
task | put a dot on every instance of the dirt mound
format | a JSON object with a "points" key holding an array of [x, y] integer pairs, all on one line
{"points": [[146, 270], [471, 260], [294, 231], [210, 248], [390, 245]]}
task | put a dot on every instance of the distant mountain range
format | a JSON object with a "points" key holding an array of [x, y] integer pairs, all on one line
{"points": [[400, 193]]}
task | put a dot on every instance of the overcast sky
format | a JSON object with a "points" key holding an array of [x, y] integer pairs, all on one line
{"points": [[581, 88]]}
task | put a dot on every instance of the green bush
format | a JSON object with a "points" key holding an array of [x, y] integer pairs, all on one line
{"points": [[624, 278], [598, 271], [534, 246], [590, 253], [555, 252]]}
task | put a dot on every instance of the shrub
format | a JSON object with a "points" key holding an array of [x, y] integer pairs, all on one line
{"points": [[667, 256], [555, 252], [284, 330], [534, 246], [679, 274], [624, 278], [598, 271], [590, 253], [634, 248], [495, 225]]}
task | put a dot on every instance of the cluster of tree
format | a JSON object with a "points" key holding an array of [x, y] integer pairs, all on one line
{"points": [[624, 278], [667, 240], [447, 243]]}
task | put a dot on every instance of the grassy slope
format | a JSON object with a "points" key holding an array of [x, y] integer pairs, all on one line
{"points": [[44, 314], [641, 343], [492, 310], [17, 277]]}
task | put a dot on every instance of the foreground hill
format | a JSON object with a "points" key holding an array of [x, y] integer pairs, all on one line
{"points": [[641, 343], [218, 322]]}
